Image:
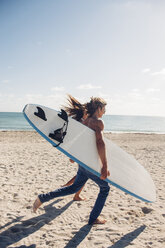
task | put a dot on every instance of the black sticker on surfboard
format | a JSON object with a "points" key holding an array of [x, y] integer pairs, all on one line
{"points": [[63, 115], [40, 114]]}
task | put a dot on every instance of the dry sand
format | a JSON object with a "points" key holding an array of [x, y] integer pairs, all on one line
{"points": [[29, 165]]}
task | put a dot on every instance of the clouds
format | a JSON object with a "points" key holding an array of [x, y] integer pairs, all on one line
{"points": [[146, 70], [55, 97], [159, 73], [139, 102], [14, 103], [88, 87], [136, 101], [133, 102], [152, 90], [51, 100], [61, 88]]}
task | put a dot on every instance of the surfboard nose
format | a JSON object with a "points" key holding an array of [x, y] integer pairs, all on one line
{"points": [[24, 108]]}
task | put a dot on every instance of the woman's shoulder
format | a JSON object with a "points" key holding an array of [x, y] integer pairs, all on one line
{"points": [[100, 124], [94, 124]]}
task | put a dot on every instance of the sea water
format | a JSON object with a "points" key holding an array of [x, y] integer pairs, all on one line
{"points": [[134, 124], [15, 121]]}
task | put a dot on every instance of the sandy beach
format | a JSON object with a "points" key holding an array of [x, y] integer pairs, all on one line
{"points": [[29, 165]]}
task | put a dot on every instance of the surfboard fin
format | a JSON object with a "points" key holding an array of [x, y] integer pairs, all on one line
{"points": [[40, 114], [63, 115], [60, 133]]}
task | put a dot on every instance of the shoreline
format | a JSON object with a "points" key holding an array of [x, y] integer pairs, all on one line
{"points": [[105, 132]]}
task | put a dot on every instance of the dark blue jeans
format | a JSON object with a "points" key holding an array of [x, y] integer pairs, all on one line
{"points": [[82, 176]]}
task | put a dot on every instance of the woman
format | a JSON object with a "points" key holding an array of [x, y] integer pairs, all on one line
{"points": [[96, 109]]}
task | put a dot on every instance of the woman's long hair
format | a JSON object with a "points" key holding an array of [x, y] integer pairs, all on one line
{"points": [[94, 104], [74, 109]]}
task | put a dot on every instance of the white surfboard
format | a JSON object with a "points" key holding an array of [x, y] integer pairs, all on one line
{"points": [[79, 144]]}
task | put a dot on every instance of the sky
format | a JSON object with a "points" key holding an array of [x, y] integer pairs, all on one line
{"points": [[106, 48]]}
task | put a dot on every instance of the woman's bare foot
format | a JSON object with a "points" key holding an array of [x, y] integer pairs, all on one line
{"points": [[36, 204], [78, 198], [99, 222]]}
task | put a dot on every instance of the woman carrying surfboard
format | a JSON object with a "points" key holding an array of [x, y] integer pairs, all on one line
{"points": [[95, 110]]}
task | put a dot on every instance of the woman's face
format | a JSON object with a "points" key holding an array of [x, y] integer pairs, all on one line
{"points": [[101, 111]]}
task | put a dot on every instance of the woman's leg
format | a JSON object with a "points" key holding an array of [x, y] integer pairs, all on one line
{"points": [[70, 182], [77, 195], [100, 201], [80, 180]]}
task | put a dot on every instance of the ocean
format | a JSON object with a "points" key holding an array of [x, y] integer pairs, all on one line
{"points": [[14, 121]]}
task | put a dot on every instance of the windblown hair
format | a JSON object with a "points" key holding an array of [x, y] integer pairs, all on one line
{"points": [[75, 109], [94, 104]]}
